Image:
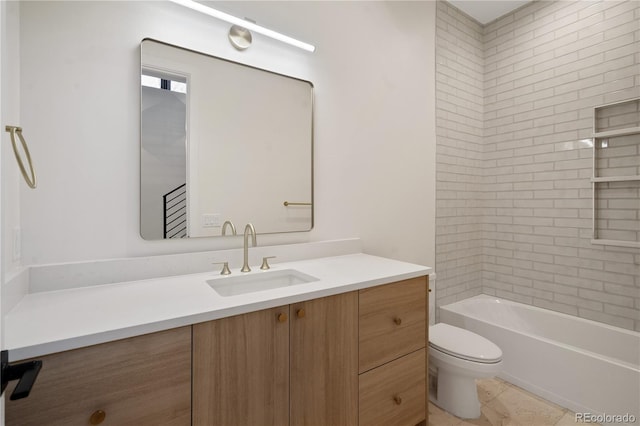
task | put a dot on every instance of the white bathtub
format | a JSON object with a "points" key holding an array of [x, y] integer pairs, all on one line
{"points": [[582, 365]]}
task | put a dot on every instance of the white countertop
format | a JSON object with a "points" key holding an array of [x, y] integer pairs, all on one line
{"points": [[53, 321]]}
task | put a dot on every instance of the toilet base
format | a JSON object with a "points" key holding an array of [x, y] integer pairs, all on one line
{"points": [[457, 395], [458, 368]]}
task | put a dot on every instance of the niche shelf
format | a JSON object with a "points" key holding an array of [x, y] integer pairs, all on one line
{"points": [[615, 179]]}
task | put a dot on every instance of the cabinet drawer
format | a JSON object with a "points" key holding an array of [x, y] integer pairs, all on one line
{"points": [[394, 393], [143, 380], [392, 321]]}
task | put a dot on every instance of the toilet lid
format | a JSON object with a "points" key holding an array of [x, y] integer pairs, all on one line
{"points": [[463, 344]]}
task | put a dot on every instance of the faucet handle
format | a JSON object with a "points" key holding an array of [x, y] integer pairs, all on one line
{"points": [[225, 268], [265, 262]]}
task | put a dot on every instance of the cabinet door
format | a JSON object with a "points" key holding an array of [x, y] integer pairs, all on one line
{"points": [[241, 370], [143, 380], [324, 361]]}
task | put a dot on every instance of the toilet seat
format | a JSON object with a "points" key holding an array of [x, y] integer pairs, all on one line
{"points": [[463, 344]]}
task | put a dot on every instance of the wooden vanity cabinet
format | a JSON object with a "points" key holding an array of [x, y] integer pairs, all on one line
{"points": [[393, 353], [354, 358], [295, 365], [144, 380]]}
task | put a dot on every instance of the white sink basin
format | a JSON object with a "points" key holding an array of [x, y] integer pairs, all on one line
{"points": [[258, 281]]}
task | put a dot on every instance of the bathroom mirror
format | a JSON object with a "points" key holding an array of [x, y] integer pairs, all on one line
{"points": [[221, 141]]}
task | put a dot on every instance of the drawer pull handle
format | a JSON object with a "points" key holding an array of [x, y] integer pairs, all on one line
{"points": [[397, 320], [300, 313], [397, 400], [282, 317], [97, 417]]}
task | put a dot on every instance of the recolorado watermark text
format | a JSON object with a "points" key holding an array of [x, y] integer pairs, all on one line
{"points": [[605, 418]]}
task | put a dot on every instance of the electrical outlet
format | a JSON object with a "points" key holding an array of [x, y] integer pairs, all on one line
{"points": [[211, 220]]}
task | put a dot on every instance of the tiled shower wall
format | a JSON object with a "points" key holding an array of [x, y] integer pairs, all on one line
{"points": [[459, 121], [545, 67]]}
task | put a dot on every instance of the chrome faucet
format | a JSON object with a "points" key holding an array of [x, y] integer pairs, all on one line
{"points": [[224, 228], [249, 229]]}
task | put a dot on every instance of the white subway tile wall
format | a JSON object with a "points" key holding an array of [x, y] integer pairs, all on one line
{"points": [[515, 105], [459, 155]]}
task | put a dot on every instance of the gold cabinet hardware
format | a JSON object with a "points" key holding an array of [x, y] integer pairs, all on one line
{"points": [[397, 320], [300, 313], [397, 400], [282, 317], [97, 417]]}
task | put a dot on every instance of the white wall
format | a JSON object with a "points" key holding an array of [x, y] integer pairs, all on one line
{"points": [[373, 73], [12, 181], [3, 15]]}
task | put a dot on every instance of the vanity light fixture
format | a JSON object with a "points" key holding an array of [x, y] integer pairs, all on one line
{"points": [[244, 24]]}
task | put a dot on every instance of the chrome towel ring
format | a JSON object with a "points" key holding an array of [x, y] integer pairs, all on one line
{"points": [[13, 130]]}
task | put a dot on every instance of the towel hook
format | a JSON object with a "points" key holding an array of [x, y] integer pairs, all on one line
{"points": [[13, 130]]}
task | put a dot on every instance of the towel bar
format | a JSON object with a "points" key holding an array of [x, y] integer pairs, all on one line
{"points": [[13, 130]]}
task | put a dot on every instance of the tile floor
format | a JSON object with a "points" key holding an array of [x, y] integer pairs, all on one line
{"points": [[504, 404]]}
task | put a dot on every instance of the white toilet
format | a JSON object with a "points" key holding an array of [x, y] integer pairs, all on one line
{"points": [[458, 357]]}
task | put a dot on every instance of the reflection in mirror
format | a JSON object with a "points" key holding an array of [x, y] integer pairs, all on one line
{"points": [[221, 141], [163, 129]]}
